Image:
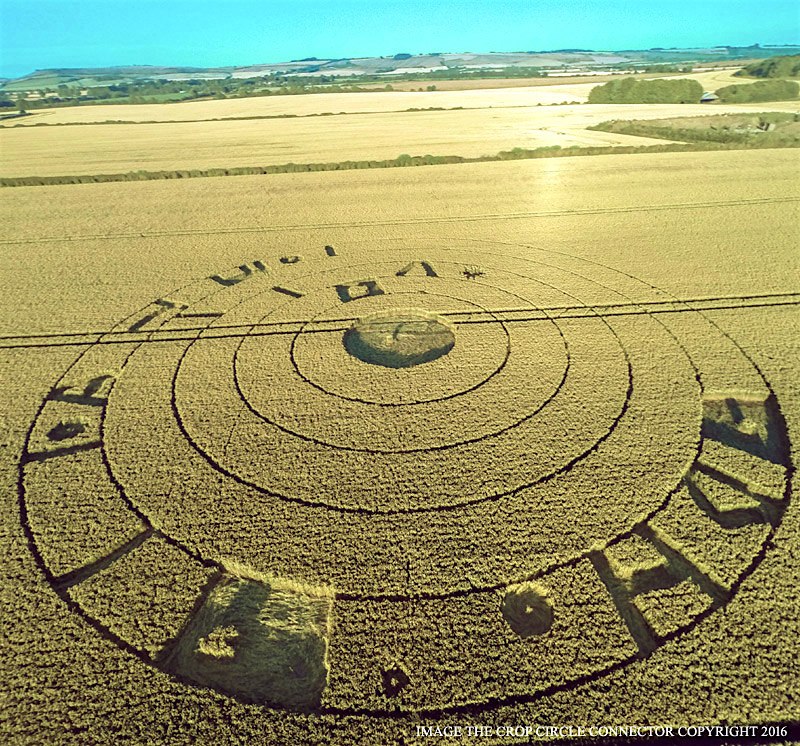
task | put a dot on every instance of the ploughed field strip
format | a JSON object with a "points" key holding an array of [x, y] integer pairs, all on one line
{"points": [[376, 488]]}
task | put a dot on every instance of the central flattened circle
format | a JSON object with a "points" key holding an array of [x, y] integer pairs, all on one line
{"points": [[401, 339]]}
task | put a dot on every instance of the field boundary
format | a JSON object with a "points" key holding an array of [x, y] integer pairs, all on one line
{"points": [[402, 161]]}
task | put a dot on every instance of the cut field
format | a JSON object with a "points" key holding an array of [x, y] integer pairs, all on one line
{"points": [[466, 84], [120, 148], [199, 145], [469, 97], [317, 103], [344, 458]]}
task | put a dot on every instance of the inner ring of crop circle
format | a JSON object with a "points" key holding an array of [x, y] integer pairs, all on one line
{"points": [[536, 394], [501, 348], [388, 507]]}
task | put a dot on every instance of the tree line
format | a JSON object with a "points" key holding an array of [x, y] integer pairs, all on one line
{"points": [[763, 90], [785, 66], [687, 91], [638, 91]]}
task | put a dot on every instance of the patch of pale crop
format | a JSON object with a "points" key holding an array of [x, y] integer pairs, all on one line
{"points": [[262, 641], [400, 339]]}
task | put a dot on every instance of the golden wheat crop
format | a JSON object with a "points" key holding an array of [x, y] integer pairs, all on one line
{"points": [[44, 151], [333, 458], [318, 103], [453, 94], [358, 136]]}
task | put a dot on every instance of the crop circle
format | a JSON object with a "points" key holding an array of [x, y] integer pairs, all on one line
{"points": [[325, 364], [538, 437]]}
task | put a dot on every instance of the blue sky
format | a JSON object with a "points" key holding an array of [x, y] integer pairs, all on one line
{"points": [[36, 34]]}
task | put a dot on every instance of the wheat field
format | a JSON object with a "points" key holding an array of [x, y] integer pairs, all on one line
{"points": [[335, 103], [356, 457], [54, 151]]}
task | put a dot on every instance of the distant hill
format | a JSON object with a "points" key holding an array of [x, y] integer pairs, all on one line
{"points": [[440, 64], [104, 76], [787, 66]]}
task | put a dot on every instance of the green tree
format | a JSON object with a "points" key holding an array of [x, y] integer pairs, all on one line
{"points": [[785, 66], [636, 91], [762, 90]]}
